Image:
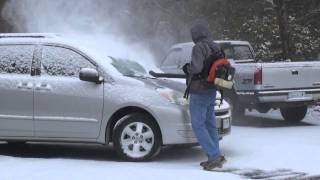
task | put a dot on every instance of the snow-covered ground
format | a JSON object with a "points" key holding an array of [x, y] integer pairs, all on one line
{"points": [[261, 145]]}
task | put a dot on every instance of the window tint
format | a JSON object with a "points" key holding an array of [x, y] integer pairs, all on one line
{"points": [[58, 61], [173, 58], [16, 59]]}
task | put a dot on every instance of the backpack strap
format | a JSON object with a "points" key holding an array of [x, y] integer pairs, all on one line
{"points": [[222, 96], [210, 49], [187, 91]]}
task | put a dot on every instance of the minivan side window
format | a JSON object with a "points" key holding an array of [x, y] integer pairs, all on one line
{"points": [[59, 61], [16, 59]]}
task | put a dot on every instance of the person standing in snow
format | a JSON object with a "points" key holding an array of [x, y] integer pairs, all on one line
{"points": [[202, 97]]}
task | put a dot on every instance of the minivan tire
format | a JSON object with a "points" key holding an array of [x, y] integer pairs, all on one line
{"points": [[294, 114], [126, 131]]}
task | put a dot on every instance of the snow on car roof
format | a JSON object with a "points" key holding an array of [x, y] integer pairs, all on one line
{"points": [[28, 35], [77, 43], [44, 38], [190, 44], [96, 47]]}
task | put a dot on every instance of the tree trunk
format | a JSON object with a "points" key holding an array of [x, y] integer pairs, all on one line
{"points": [[283, 21]]}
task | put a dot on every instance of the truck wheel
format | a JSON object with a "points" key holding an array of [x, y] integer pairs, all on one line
{"points": [[137, 138], [294, 114]]}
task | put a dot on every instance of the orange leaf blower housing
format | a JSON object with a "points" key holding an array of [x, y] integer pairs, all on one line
{"points": [[214, 69]]}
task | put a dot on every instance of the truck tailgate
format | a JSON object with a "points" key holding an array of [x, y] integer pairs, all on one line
{"points": [[290, 75]]}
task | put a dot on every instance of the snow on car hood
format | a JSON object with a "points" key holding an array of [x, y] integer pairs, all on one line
{"points": [[154, 83], [133, 74], [177, 84]]}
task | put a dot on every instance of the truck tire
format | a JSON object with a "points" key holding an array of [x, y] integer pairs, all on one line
{"points": [[294, 114], [137, 138]]}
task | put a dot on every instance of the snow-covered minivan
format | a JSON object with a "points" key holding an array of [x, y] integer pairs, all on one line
{"points": [[54, 90]]}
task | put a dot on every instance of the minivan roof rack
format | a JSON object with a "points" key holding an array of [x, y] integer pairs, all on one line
{"points": [[28, 35]]}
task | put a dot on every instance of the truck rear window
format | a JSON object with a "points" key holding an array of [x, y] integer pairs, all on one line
{"points": [[238, 52]]}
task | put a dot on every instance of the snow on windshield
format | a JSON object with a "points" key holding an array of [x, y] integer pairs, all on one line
{"points": [[101, 47], [127, 67]]}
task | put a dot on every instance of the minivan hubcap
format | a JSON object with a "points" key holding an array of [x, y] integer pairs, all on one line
{"points": [[137, 139]]}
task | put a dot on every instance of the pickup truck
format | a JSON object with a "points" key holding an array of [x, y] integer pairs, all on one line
{"points": [[290, 86]]}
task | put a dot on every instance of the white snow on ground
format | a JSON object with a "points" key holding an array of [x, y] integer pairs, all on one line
{"points": [[262, 142], [178, 164], [271, 144]]}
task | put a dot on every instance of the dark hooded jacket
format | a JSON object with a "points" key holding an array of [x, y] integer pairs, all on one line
{"points": [[204, 45]]}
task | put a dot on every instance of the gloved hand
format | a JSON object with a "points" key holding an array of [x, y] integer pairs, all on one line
{"points": [[185, 68]]}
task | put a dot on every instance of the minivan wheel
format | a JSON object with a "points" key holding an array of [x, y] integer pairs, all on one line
{"points": [[294, 114], [137, 138]]}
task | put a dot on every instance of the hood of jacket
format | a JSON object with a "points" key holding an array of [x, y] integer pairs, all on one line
{"points": [[200, 31]]}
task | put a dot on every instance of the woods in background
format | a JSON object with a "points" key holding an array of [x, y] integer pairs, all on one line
{"points": [[278, 29]]}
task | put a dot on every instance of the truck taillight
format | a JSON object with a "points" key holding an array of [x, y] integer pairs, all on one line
{"points": [[258, 77]]}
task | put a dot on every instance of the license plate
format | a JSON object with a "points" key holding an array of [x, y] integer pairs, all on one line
{"points": [[296, 95], [226, 123]]}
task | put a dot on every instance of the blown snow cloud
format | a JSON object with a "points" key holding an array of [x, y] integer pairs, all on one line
{"points": [[101, 21]]}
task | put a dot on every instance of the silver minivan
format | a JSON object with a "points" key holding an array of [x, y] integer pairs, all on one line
{"points": [[53, 90]]}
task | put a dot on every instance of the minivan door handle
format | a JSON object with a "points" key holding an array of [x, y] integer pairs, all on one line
{"points": [[295, 72], [43, 87], [25, 85]]}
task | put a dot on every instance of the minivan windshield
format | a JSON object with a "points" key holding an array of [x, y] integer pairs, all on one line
{"points": [[129, 68]]}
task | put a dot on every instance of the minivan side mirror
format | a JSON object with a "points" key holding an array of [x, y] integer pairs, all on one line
{"points": [[90, 75]]}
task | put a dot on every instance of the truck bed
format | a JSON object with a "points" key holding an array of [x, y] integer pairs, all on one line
{"points": [[291, 75], [280, 81]]}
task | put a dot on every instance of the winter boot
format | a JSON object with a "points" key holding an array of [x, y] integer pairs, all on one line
{"points": [[222, 158], [212, 164], [203, 163]]}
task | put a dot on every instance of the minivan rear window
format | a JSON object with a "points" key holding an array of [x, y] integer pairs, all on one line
{"points": [[16, 59]]}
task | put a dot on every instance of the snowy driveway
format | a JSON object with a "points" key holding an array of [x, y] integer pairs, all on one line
{"points": [[263, 146]]}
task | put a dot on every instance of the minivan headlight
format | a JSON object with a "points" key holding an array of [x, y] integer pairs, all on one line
{"points": [[172, 96]]}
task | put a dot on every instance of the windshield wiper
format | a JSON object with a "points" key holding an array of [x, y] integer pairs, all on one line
{"points": [[136, 75]]}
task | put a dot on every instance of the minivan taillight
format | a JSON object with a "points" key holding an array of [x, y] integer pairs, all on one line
{"points": [[258, 77]]}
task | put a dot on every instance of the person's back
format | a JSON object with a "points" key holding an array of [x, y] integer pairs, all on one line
{"points": [[202, 97], [204, 47]]}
